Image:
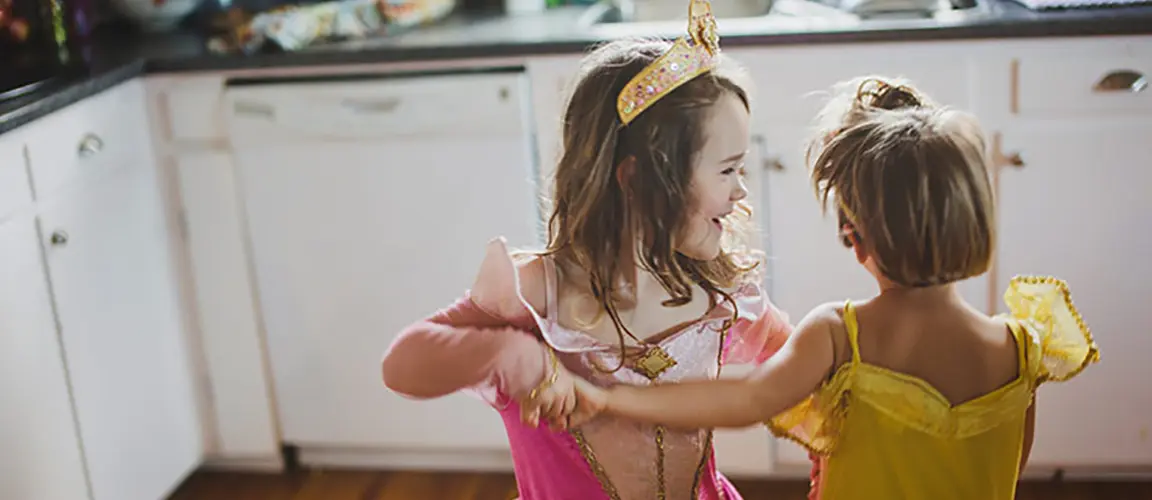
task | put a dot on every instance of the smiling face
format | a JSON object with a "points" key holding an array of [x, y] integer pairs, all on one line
{"points": [[644, 194], [717, 178]]}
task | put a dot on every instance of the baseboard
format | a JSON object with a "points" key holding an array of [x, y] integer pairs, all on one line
{"points": [[1086, 473], [455, 460], [273, 464], [500, 461], [1106, 475]]}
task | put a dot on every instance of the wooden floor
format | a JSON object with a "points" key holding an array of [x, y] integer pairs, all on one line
{"points": [[372, 485]]}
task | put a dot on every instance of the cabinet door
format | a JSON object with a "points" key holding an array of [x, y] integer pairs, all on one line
{"points": [[1079, 209], [108, 261], [41, 458], [229, 326], [353, 241]]}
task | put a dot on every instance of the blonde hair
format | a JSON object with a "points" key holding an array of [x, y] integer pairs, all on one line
{"points": [[909, 179], [592, 213]]}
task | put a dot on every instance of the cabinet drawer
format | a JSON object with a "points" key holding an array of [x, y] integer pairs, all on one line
{"points": [[87, 139], [790, 85], [14, 189], [1113, 84], [447, 105]]}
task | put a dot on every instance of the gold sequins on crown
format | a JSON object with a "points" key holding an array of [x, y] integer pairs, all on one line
{"points": [[689, 57]]}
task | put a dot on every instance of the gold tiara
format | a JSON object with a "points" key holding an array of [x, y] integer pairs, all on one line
{"points": [[689, 57]]}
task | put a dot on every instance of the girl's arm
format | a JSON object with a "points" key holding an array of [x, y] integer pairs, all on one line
{"points": [[483, 341], [462, 347], [783, 381]]}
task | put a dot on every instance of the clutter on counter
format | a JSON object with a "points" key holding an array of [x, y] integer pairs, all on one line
{"points": [[296, 27]]}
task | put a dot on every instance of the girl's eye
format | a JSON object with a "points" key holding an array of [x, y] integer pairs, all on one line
{"points": [[735, 170]]}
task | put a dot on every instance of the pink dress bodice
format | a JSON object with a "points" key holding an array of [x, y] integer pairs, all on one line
{"points": [[607, 458], [634, 460]]}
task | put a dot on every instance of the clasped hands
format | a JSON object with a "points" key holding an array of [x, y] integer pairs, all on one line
{"points": [[562, 399]]}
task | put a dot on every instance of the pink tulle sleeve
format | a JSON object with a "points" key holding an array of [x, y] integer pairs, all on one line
{"points": [[464, 348], [760, 329]]}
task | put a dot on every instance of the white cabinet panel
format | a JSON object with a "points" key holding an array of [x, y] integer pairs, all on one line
{"points": [[225, 299], [355, 237], [1079, 209], [41, 458], [107, 255], [351, 244]]}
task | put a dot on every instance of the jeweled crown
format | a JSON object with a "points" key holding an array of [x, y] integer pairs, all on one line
{"points": [[689, 57]]}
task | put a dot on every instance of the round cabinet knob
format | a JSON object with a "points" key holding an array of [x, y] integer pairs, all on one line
{"points": [[59, 238], [90, 145]]}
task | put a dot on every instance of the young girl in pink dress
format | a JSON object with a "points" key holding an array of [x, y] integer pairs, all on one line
{"points": [[647, 278]]}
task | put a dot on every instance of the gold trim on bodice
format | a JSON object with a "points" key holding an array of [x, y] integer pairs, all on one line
{"points": [[661, 485]]}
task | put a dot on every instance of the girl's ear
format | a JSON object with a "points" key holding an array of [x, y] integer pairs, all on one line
{"points": [[848, 236], [853, 237], [624, 173]]}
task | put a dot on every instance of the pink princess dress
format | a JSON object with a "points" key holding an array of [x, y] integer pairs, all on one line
{"points": [[502, 357]]}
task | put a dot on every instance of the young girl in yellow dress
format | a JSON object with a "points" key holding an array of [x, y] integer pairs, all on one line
{"points": [[911, 394]]}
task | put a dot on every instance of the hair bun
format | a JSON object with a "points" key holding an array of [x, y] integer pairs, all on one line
{"points": [[875, 93]]}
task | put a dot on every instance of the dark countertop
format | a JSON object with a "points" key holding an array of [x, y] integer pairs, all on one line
{"points": [[116, 58]]}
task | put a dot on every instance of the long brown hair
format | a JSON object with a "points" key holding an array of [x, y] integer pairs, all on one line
{"points": [[593, 215], [909, 178]]}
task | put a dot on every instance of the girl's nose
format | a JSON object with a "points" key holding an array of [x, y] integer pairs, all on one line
{"points": [[741, 190]]}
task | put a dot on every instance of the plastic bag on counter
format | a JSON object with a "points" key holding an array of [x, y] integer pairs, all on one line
{"points": [[297, 27]]}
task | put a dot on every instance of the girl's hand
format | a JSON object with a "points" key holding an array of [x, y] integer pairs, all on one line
{"points": [[590, 402], [552, 401]]}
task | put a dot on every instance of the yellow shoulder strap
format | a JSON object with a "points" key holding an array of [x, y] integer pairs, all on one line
{"points": [[1021, 338], [853, 330]]}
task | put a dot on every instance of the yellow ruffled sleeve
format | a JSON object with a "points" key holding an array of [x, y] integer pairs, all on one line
{"points": [[815, 422], [1060, 345]]}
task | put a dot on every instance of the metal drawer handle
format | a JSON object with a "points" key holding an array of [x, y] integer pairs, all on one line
{"points": [[90, 145], [251, 108], [366, 106], [1123, 80], [1000, 159]]}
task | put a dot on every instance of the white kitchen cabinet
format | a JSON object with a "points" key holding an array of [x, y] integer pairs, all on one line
{"points": [[243, 414], [117, 329], [42, 458], [1078, 209], [368, 206], [94, 370], [107, 256], [1074, 207]]}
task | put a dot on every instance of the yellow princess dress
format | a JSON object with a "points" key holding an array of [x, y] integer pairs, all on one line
{"points": [[886, 435]]}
